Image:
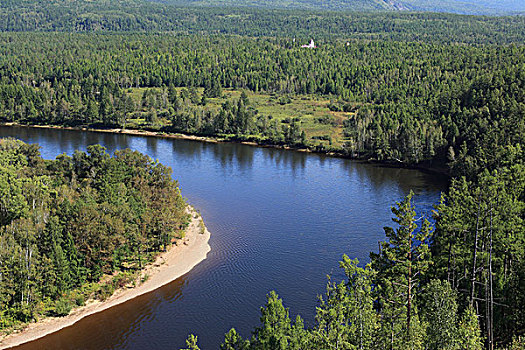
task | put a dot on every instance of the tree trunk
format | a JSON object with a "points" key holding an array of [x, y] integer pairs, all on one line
{"points": [[409, 293], [474, 257], [491, 295]]}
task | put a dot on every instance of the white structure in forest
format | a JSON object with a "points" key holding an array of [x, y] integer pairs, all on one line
{"points": [[311, 45]]}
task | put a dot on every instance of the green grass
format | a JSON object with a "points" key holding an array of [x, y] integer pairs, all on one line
{"points": [[317, 120]]}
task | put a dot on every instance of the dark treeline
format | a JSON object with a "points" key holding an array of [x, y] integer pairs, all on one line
{"points": [[66, 223], [414, 101], [139, 16]]}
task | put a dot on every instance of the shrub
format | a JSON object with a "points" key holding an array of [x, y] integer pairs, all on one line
{"points": [[63, 307], [285, 100], [105, 291]]}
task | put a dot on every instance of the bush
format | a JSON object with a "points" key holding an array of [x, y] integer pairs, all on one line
{"points": [[78, 298], [327, 120], [322, 137], [334, 107], [105, 291], [24, 314], [285, 100], [518, 343], [121, 280], [349, 108], [63, 307]]}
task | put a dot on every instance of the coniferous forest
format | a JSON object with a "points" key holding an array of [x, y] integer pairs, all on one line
{"points": [[402, 101], [439, 91]]}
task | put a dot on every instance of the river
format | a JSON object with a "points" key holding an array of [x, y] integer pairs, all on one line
{"points": [[279, 220]]}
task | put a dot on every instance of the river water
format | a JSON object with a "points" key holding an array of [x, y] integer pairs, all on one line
{"points": [[279, 220]]}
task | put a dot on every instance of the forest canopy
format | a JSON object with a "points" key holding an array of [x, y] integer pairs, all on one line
{"points": [[142, 16], [67, 223], [441, 91], [407, 102]]}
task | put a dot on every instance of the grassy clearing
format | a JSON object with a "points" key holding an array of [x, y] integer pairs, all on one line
{"points": [[320, 124]]}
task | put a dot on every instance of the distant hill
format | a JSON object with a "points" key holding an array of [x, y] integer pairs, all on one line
{"points": [[348, 5], [143, 16], [41, 10], [474, 7]]}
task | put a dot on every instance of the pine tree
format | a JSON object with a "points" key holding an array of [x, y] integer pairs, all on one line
{"points": [[233, 341], [346, 316], [402, 261], [469, 332], [274, 332]]}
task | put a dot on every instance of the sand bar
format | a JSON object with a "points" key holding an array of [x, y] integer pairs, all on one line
{"points": [[168, 266]]}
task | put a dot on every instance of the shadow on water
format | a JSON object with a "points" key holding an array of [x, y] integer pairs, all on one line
{"points": [[129, 316]]}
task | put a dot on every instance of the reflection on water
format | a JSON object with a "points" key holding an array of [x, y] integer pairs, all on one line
{"points": [[279, 220]]}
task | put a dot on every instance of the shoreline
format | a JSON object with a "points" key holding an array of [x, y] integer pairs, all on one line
{"points": [[168, 266], [134, 132], [210, 139]]}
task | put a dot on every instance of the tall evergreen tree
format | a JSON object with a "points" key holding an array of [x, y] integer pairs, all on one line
{"points": [[401, 263]]}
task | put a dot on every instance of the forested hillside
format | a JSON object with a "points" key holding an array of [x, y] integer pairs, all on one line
{"points": [[404, 102], [136, 15], [332, 5], [471, 7], [78, 227]]}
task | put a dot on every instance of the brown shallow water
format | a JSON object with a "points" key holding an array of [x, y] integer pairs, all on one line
{"points": [[280, 220]]}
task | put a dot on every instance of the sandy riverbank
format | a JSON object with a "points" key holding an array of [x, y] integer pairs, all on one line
{"points": [[159, 134], [168, 266], [122, 131]]}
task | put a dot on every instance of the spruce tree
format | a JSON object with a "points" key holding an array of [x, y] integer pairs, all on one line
{"points": [[402, 261]]}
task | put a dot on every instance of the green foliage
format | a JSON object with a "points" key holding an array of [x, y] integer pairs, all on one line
{"points": [[479, 244], [233, 341], [212, 88], [275, 325], [73, 220], [401, 263], [347, 316], [62, 307], [439, 311], [12, 201], [136, 16], [191, 343], [518, 343], [469, 332]]}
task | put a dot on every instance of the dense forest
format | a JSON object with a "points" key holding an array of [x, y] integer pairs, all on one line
{"points": [[438, 90], [472, 7], [140, 16], [78, 227], [331, 5], [401, 101]]}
